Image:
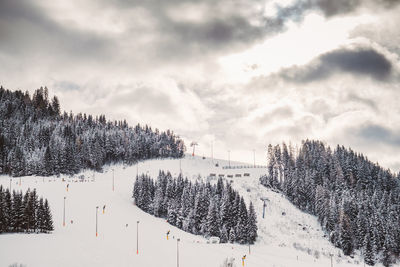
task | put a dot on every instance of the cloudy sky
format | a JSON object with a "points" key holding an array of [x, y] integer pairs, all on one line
{"points": [[240, 73]]}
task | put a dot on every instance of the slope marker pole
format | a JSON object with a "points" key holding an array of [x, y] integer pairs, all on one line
{"points": [[64, 212], [137, 237], [97, 208], [113, 180], [177, 251]]}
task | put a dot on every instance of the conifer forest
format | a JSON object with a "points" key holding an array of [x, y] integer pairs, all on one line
{"points": [[356, 201]]}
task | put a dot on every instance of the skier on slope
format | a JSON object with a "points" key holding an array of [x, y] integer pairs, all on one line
{"points": [[167, 234], [104, 207]]}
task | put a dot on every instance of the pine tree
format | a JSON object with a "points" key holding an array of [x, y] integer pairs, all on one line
{"points": [[232, 236], [252, 225], [188, 223], [158, 201], [386, 254], [135, 193], [212, 220], [18, 211], [2, 215], [27, 214], [36, 139], [33, 206], [8, 212], [242, 230], [48, 223], [172, 212], [224, 237], [195, 208], [48, 162], [226, 210], [40, 215], [345, 235], [369, 253]]}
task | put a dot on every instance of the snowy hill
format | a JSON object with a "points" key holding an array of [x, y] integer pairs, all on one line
{"points": [[287, 237]]}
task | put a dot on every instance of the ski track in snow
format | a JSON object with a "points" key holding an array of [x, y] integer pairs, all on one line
{"points": [[282, 241]]}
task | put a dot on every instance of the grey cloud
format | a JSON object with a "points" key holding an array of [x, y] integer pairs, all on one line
{"points": [[227, 26], [145, 99], [276, 114], [322, 108], [366, 101], [66, 86], [360, 62], [28, 30], [384, 31], [330, 8], [298, 129], [199, 40], [374, 133]]}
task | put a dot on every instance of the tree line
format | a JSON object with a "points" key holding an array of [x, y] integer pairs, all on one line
{"points": [[24, 212], [199, 208], [37, 139], [356, 201]]}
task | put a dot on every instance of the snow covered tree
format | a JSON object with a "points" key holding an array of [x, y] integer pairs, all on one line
{"points": [[196, 207], [232, 235], [242, 232], [212, 220], [48, 223], [35, 138], [252, 225], [40, 216], [345, 235], [172, 212], [19, 213], [225, 213], [8, 211], [3, 222], [351, 196], [369, 252], [224, 238]]}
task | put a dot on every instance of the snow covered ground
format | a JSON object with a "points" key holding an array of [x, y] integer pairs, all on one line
{"points": [[294, 239]]}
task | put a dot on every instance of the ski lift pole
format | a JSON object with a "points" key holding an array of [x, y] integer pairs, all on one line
{"points": [[194, 144], [264, 209], [264, 199]]}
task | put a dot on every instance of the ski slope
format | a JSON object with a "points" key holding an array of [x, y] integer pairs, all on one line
{"points": [[294, 239]]}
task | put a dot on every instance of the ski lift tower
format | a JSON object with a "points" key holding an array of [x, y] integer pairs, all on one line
{"points": [[265, 200], [194, 144]]}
